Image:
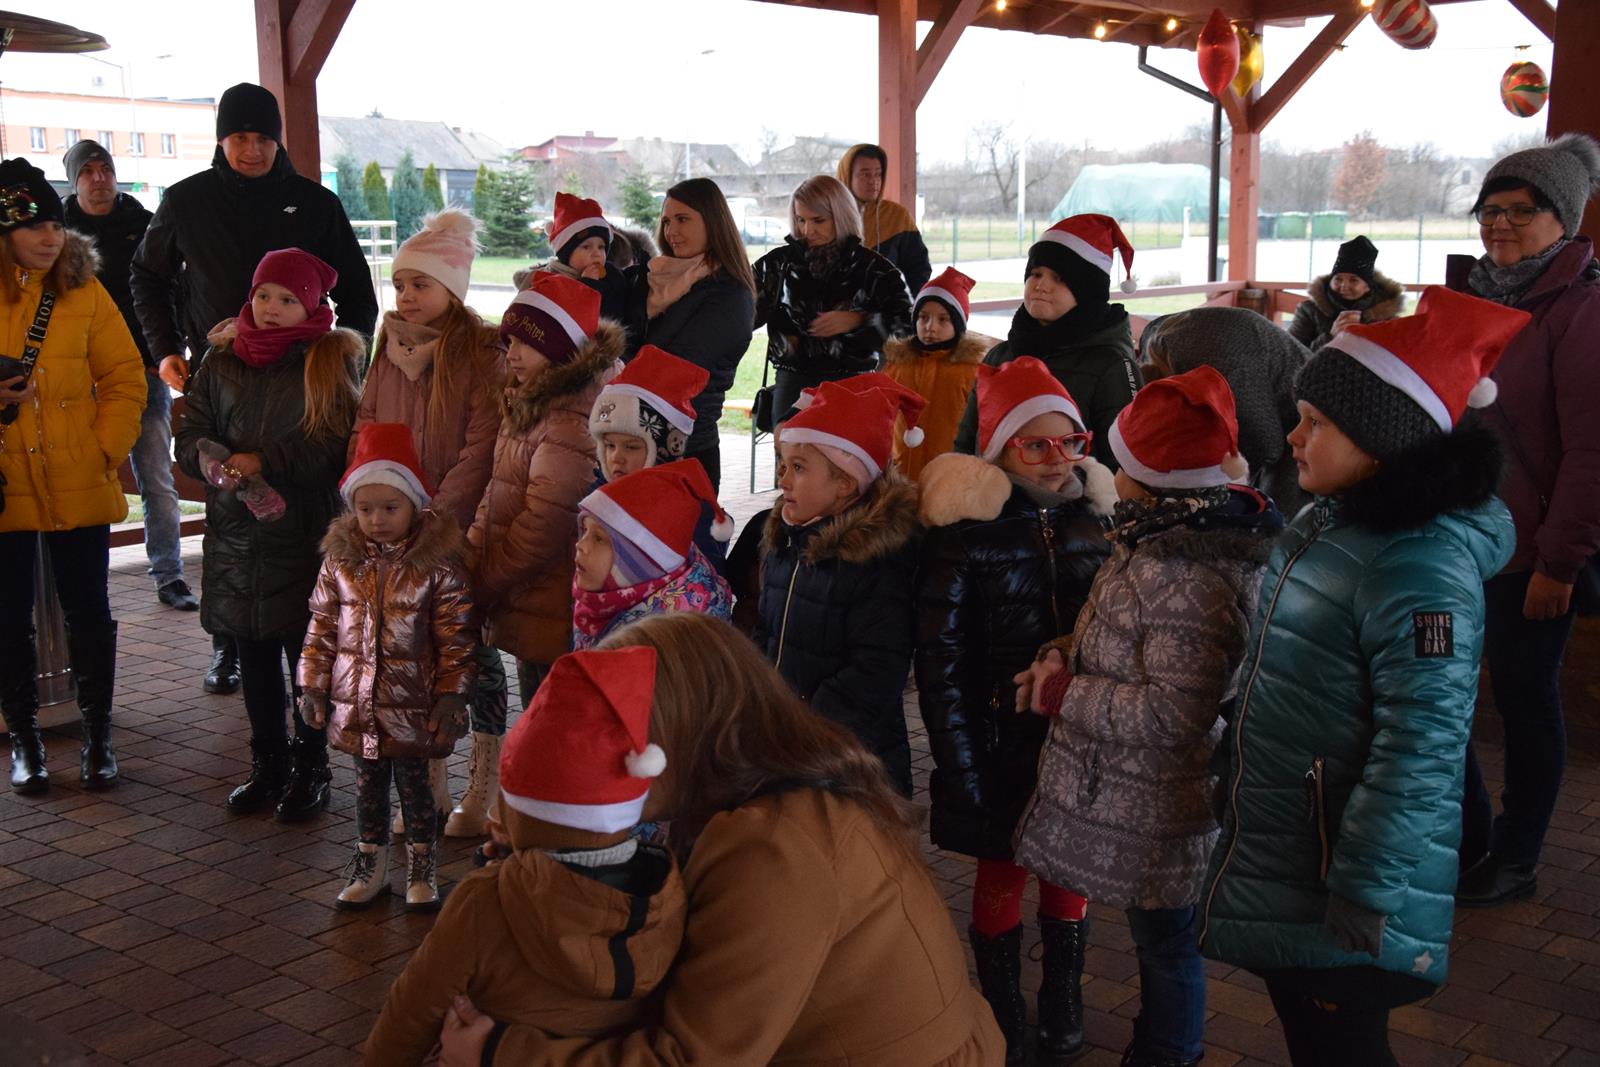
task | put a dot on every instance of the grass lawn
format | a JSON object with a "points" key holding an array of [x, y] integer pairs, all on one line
{"points": [[136, 508]]}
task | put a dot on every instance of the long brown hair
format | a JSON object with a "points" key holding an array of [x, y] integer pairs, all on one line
{"points": [[333, 389], [733, 729], [55, 279], [459, 369], [725, 252]]}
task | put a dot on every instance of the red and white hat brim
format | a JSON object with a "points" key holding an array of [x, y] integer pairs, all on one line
{"points": [[595, 818], [1019, 416], [806, 435], [666, 409], [1183, 478], [603, 507], [950, 300], [1083, 249], [1395, 372], [385, 472], [569, 325], [572, 230]]}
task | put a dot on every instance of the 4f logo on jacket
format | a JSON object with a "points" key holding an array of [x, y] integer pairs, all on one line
{"points": [[1434, 633]]}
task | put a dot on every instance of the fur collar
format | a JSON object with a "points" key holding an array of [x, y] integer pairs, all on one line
{"points": [[957, 487], [879, 524], [80, 260], [1384, 302], [436, 541], [971, 348], [533, 400], [1210, 546], [1445, 473]]}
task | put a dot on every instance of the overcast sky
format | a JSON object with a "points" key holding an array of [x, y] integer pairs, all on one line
{"points": [[525, 70]]}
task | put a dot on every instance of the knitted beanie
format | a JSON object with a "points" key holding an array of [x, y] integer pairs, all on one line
{"points": [[83, 153], [249, 108], [26, 197], [1357, 256], [1566, 171], [442, 249], [1379, 418], [1089, 284]]}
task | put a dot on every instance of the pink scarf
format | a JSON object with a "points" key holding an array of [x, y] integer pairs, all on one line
{"points": [[670, 278], [260, 347], [593, 611]]}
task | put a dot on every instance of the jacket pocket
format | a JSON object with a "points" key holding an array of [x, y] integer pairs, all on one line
{"points": [[1317, 813]]}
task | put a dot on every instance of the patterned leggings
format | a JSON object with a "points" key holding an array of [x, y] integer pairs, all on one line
{"points": [[487, 704], [372, 800]]}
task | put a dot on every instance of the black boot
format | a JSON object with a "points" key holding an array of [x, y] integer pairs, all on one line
{"points": [[309, 780], [94, 664], [1000, 977], [1136, 1056], [19, 702], [1492, 881], [1061, 989], [223, 675], [269, 770]]}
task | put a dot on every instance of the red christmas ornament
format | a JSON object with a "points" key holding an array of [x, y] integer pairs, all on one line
{"points": [[1218, 51], [1524, 89], [1408, 23]]}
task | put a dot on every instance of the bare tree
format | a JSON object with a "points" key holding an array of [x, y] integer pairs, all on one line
{"points": [[993, 154]]}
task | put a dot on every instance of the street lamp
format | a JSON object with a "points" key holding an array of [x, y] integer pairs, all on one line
{"points": [[687, 173], [126, 71]]}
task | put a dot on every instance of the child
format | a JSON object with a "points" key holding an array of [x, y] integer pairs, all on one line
{"points": [[1067, 321], [578, 926], [636, 555], [1122, 811], [281, 395], [581, 239], [559, 353], [1014, 539], [438, 369], [836, 616], [1334, 874], [939, 363], [390, 650]]}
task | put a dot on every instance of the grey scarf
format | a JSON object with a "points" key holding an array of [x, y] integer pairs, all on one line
{"points": [[1508, 285]]}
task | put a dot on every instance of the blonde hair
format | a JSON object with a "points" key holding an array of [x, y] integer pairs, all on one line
{"points": [[55, 279], [827, 196], [459, 369], [733, 730], [332, 384]]}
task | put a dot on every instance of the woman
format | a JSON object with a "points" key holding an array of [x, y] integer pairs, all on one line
{"points": [[700, 303], [1353, 292], [1548, 415], [64, 429], [828, 302], [815, 933]]}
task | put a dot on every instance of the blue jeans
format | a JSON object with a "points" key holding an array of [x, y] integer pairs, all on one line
{"points": [[151, 460], [1172, 983]]}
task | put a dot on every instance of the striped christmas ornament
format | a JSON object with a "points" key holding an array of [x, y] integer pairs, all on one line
{"points": [[1408, 23], [1524, 89]]}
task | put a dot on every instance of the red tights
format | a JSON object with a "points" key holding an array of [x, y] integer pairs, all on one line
{"points": [[997, 899]]}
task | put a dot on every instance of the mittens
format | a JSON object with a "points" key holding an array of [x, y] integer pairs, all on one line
{"points": [[264, 502], [212, 458]]}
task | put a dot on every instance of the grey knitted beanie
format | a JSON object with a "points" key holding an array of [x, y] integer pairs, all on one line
{"points": [[1379, 418], [1566, 171]]}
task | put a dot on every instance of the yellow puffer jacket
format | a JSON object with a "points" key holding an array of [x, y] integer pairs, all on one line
{"points": [[61, 456]]}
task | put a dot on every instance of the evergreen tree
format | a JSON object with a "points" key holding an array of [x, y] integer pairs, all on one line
{"points": [[508, 220], [376, 192], [482, 192], [638, 202], [406, 196], [432, 192], [348, 179]]}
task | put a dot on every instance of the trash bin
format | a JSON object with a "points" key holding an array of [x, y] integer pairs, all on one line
{"points": [[1329, 224], [1267, 225], [1293, 225], [54, 666]]}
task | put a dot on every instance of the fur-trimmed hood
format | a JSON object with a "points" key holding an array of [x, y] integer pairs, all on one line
{"points": [[436, 541], [1447, 472], [956, 487], [970, 348], [80, 260], [528, 403], [1212, 546], [882, 522], [1385, 300]]}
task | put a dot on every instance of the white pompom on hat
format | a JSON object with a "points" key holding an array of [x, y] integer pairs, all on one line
{"points": [[658, 508], [442, 249], [857, 417]]}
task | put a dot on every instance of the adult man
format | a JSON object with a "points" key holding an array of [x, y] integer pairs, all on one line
{"points": [[116, 222], [193, 268], [886, 227]]}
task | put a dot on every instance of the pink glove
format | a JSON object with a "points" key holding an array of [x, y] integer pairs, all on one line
{"points": [[212, 458], [264, 502]]}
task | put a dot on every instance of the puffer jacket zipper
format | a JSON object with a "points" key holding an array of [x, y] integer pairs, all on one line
{"points": [[1321, 516], [783, 627], [1318, 814], [1049, 534]]}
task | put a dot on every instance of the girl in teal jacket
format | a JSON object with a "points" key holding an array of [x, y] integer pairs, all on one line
{"points": [[1334, 874]]}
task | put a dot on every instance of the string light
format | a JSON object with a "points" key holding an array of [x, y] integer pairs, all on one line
{"points": [[1368, 3], [1000, 5], [1172, 25], [1099, 31]]}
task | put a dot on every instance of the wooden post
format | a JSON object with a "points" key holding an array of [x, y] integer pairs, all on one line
{"points": [[897, 100], [293, 39], [1575, 83], [1244, 180]]}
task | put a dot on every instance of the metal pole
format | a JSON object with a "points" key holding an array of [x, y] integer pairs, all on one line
{"points": [[1419, 248], [1022, 187], [1215, 230]]}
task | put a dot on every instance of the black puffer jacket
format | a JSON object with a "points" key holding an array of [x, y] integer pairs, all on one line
{"points": [[789, 297], [836, 615], [258, 576], [1000, 576], [1313, 320], [710, 326], [116, 237]]}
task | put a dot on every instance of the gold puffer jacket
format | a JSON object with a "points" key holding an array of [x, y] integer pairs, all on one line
{"points": [[391, 632]]}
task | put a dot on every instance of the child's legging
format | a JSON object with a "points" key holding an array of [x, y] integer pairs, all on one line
{"points": [[372, 800], [997, 899], [488, 702]]}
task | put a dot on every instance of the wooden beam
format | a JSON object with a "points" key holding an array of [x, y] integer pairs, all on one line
{"points": [[897, 106], [1244, 179], [1575, 83], [941, 41], [1540, 13], [311, 36], [293, 39], [1265, 109]]}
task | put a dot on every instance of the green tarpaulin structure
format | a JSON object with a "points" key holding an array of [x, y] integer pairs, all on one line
{"points": [[1142, 192]]}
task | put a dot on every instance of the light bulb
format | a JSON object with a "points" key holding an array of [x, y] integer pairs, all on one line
{"points": [[1368, 3], [1172, 25], [1099, 31], [999, 5]]}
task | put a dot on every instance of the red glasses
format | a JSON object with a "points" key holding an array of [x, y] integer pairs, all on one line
{"points": [[1036, 450]]}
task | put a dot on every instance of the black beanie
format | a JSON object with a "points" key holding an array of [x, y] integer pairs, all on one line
{"points": [[1357, 256], [26, 197], [564, 253], [249, 108], [1379, 418], [1089, 283]]}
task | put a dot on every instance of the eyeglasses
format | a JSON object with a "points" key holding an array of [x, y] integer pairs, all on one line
{"points": [[1036, 450], [1516, 214]]}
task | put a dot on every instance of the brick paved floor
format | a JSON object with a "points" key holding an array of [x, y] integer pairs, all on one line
{"points": [[145, 925]]}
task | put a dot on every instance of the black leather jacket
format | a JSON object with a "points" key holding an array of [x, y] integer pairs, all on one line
{"points": [[789, 297]]}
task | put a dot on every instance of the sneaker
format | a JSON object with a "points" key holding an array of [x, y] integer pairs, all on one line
{"points": [[175, 594], [422, 886], [1492, 881], [367, 877]]}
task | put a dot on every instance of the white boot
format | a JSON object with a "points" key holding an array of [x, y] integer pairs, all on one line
{"points": [[368, 871], [483, 787], [422, 887]]}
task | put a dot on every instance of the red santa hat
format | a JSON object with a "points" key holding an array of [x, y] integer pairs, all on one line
{"points": [[575, 217], [653, 398], [657, 508], [952, 289], [386, 454], [1180, 433], [1014, 393], [554, 314], [581, 755], [856, 417], [1095, 239]]}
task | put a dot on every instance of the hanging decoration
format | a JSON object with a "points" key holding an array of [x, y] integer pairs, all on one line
{"points": [[1408, 23], [1251, 63], [1218, 52], [1524, 89]]}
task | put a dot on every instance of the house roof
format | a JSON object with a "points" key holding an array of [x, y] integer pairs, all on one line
{"points": [[384, 141]]}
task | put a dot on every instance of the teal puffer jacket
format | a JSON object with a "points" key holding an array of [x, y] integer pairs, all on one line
{"points": [[1346, 748]]}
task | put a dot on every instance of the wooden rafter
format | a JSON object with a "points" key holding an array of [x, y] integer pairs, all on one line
{"points": [[1283, 88], [1540, 13], [956, 16], [311, 35]]}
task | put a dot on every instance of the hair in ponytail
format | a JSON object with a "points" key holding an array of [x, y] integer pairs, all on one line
{"points": [[333, 388]]}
